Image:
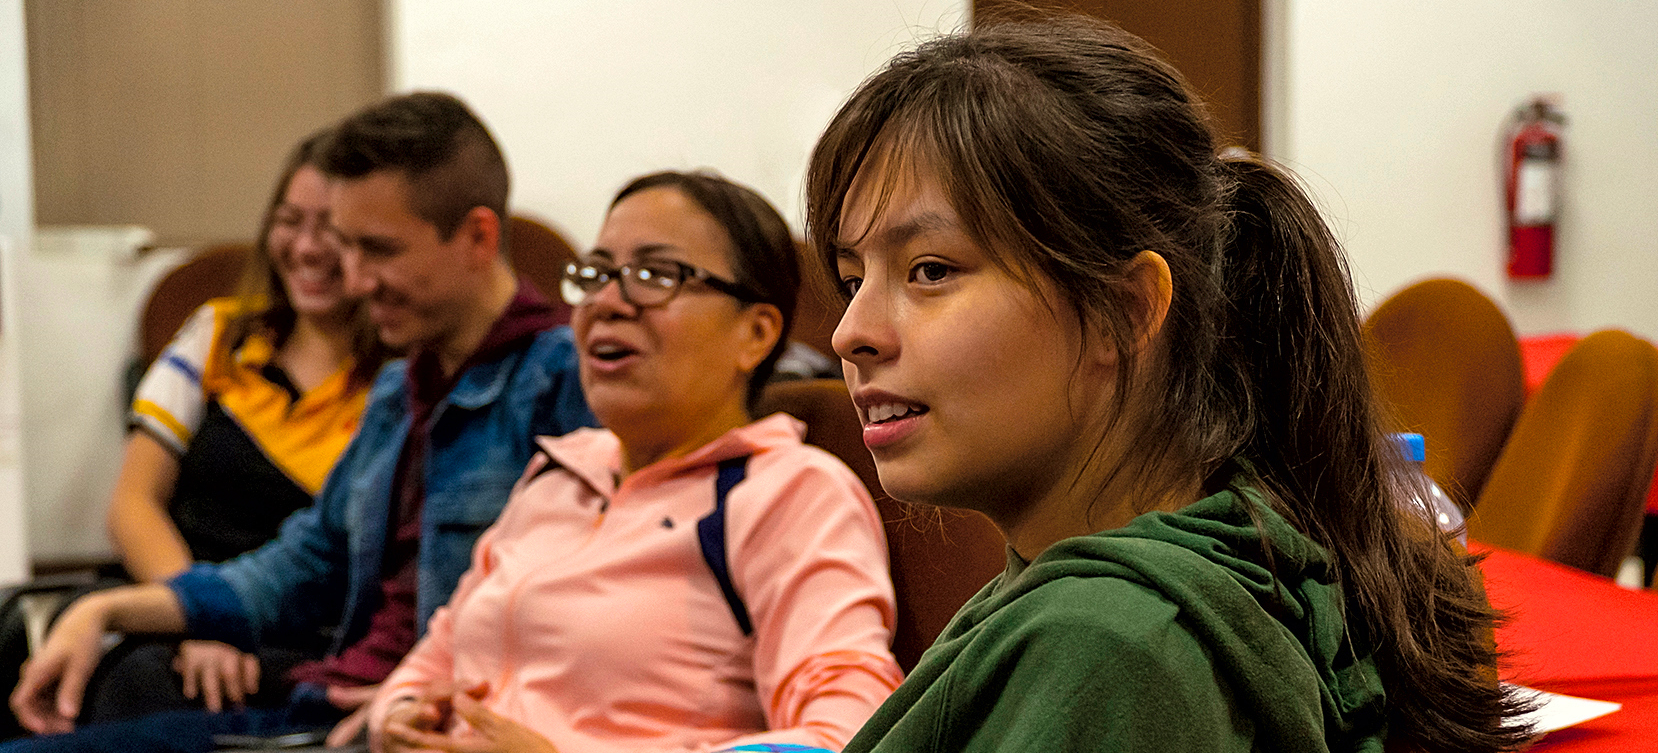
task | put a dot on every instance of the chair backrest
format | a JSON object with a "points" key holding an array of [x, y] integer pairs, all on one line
{"points": [[1444, 357], [538, 255], [816, 313], [939, 557], [1571, 484], [212, 273]]}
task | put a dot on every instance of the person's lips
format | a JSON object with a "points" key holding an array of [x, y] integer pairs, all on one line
{"points": [[609, 354], [888, 418]]}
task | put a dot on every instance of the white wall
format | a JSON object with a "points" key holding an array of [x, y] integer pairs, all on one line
{"points": [[76, 325], [1392, 110], [16, 229], [584, 95]]}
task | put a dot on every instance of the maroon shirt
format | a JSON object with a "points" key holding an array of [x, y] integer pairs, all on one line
{"points": [[392, 631]]}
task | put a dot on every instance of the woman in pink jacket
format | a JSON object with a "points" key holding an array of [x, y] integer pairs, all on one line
{"points": [[688, 578]]}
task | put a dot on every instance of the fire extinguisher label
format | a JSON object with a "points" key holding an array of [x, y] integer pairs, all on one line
{"points": [[1534, 194]]}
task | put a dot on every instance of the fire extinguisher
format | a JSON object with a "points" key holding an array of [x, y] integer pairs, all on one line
{"points": [[1533, 182]]}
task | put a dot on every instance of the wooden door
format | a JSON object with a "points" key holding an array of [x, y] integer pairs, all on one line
{"points": [[1215, 43]]}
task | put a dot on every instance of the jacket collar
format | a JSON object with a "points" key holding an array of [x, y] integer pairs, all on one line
{"points": [[595, 455], [478, 386], [483, 383]]}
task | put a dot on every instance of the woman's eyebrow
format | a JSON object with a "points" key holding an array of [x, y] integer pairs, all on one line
{"points": [[643, 252], [654, 249], [906, 230]]}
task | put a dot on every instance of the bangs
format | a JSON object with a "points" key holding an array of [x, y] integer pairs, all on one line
{"points": [[880, 140]]}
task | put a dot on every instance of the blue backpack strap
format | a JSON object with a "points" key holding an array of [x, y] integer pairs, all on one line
{"points": [[711, 535]]}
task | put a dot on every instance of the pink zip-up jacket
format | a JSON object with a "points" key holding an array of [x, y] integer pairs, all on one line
{"points": [[595, 621]]}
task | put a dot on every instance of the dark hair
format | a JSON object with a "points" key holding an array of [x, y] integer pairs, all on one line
{"points": [[451, 162], [1067, 147], [261, 281], [764, 259]]}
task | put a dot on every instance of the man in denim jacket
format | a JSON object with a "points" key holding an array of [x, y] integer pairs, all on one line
{"points": [[418, 195]]}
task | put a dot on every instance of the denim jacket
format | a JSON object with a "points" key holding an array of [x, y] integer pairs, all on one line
{"points": [[327, 557]]}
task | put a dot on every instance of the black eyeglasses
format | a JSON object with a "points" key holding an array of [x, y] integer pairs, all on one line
{"points": [[646, 284]]}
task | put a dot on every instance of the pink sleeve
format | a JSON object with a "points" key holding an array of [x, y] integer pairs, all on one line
{"points": [[432, 659], [810, 560]]}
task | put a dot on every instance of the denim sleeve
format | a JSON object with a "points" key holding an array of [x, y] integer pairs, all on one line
{"points": [[212, 611], [290, 586], [562, 407], [295, 583]]}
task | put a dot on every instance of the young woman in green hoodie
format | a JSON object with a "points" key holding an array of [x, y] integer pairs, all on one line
{"points": [[1139, 355]]}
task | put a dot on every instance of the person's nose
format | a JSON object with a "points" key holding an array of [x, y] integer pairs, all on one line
{"points": [[866, 335], [608, 302], [312, 242], [359, 281]]}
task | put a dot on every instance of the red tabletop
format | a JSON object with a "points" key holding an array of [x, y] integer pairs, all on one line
{"points": [[1579, 634]]}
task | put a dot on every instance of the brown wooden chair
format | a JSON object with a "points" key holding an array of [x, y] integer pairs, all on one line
{"points": [[939, 557], [816, 310], [1571, 484], [213, 272], [1444, 357], [538, 254]]}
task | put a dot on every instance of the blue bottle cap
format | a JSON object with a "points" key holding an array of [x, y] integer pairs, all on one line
{"points": [[1412, 445]]}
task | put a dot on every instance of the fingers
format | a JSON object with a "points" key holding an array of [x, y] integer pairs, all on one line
{"points": [[486, 722], [493, 732], [250, 674], [348, 729], [77, 669], [216, 673], [31, 700], [48, 694], [347, 699], [188, 673], [405, 712], [229, 671], [433, 717], [210, 691], [420, 714], [400, 737]]}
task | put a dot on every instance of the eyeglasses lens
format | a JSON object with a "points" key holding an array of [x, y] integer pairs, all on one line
{"points": [[648, 285]]}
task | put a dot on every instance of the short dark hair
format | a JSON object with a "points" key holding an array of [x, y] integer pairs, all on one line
{"points": [[451, 162], [764, 259]]}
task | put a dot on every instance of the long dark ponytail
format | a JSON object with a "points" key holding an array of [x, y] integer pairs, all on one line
{"points": [[1291, 350], [1067, 147]]}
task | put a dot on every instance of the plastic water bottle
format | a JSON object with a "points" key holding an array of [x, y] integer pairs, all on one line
{"points": [[1446, 514]]}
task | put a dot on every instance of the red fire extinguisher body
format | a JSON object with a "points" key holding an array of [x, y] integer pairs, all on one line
{"points": [[1533, 183]]}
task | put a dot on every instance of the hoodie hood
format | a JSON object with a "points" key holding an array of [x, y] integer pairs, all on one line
{"points": [[1268, 636]]}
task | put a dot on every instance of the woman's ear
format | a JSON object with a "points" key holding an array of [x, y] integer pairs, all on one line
{"points": [[1153, 286], [764, 325], [1151, 289]]}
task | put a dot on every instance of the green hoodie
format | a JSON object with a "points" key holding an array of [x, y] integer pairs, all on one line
{"points": [[1163, 635]]}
